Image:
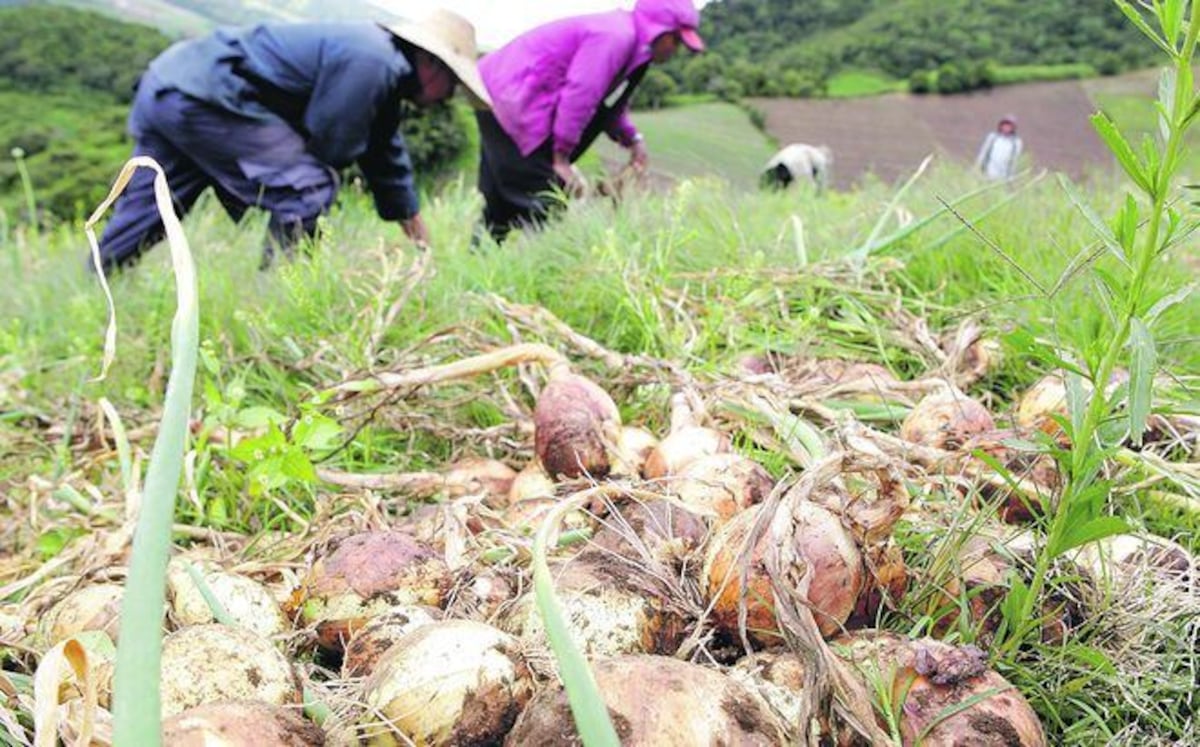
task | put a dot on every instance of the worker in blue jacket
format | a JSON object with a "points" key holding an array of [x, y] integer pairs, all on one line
{"points": [[269, 115]]}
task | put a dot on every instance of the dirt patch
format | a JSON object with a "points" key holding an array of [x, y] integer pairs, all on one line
{"points": [[889, 135]]}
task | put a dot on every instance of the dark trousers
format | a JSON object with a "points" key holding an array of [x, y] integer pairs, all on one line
{"points": [[516, 189], [248, 162]]}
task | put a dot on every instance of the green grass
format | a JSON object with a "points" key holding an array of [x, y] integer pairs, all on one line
{"points": [[849, 84], [705, 139]]}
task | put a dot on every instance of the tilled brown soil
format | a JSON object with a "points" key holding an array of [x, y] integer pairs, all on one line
{"points": [[889, 135]]}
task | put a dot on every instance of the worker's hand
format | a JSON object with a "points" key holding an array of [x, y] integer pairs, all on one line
{"points": [[570, 177], [639, 157], [415, 229]]}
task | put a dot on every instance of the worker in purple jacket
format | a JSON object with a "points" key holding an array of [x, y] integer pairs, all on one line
{"points": [[555, 89]]}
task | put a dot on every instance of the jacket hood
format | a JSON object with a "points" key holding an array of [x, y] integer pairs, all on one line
{"points": [[653, 18]]}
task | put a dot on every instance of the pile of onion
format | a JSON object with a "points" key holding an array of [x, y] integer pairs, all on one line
{"points": [[243, 723]]}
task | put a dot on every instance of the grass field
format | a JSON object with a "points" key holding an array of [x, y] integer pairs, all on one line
{"points": [[850, 84]]}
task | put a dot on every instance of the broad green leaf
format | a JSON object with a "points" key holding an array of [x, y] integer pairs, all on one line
{"points": [[1093, 658], [1143, 363], [1127, 225], [1081, 534], [1121, 148], [297, 465], [251, 450], [1013, 606]]}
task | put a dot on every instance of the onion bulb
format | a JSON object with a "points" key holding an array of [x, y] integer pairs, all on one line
{"points": [[489, 477], [819, 541], [576, 427], [610, 608], [374, 639], [657, 530], [681, 448], [946, 420], [657, 700], [531, 482], [209, 663], [247, 602], [91, 608], [367, 575], [949, 697], [241, 723], [722, 484], [452, 682]]}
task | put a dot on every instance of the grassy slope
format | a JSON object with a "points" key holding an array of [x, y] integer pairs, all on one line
{"points": [[1127, 99], [710, 138]]}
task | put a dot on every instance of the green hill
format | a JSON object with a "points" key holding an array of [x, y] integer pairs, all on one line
{"points": [[778, 47]]}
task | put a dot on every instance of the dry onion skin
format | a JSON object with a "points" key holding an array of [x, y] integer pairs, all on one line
{"points": [[209, 663], [241, 723], [247, 602], [611, 607], [951, 698], [450, 683], [367, 575], [946, 420], [834, 564], [656, 700], [91, 608], [722, 484], [681, 448], [779, 679], [577, 427], [375, 638]]}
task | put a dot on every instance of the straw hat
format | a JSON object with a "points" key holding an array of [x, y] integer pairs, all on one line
{"points": [[450, 38]]}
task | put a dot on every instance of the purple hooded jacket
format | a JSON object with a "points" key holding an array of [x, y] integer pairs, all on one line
{"points": [[550, 81]]}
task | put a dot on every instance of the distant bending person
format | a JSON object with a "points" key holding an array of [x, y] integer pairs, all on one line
{"points": [[268, 115], [555, 89], [1001, 151], [799, 162]]}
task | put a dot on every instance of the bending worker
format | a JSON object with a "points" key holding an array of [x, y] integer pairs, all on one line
{"points": [[555, 89], [268, 115]]}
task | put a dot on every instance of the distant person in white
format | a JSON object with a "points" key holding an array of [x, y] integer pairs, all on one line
{"points": [[799, 161], [1001, 150]]}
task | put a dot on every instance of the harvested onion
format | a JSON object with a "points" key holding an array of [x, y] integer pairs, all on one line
{"points": [[656, 700], [209, 663], [367, 575], [834, 565], [946, 420], [240, 723], [452, 682], [576, 427], [91, 608], [722, 484], [949, 697]]}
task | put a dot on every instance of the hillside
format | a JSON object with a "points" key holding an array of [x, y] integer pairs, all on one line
{"points": [[774, 47]]}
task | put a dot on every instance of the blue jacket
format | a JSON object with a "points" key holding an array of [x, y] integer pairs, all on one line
{"points": [[338, 84]]}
